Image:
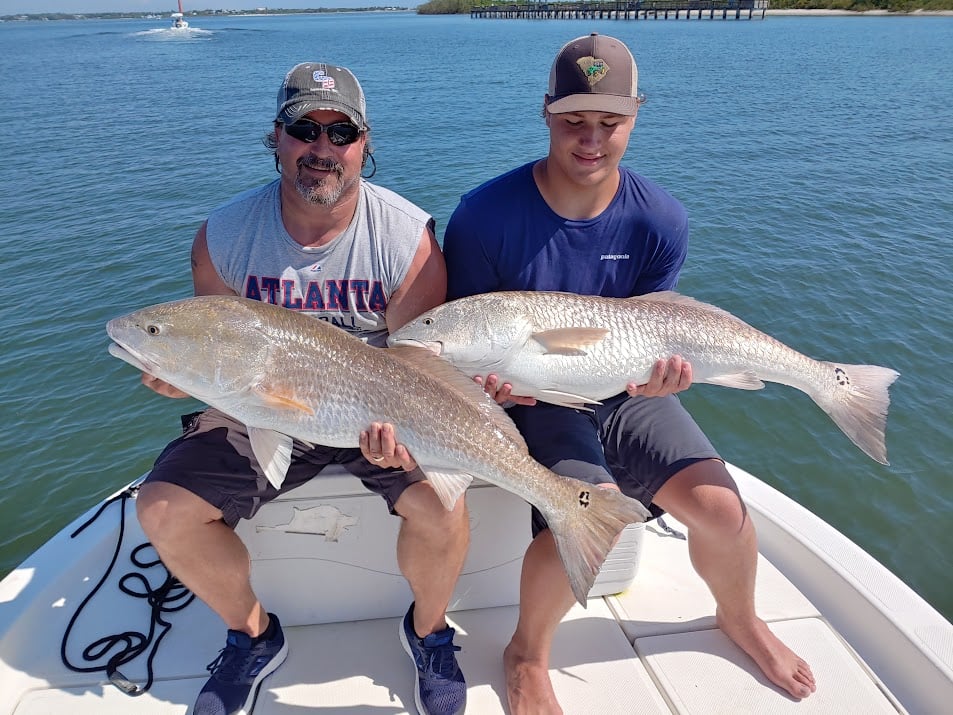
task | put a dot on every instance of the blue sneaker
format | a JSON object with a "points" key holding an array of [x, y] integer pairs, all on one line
{"points": [[238, 670], [440, 689]]}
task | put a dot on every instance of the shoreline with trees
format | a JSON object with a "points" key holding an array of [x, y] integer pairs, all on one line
{"points": [[899, 8], [776, 7]]}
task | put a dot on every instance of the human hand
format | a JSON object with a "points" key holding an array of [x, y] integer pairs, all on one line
{"points": [[380, 447], [502, 392], [162, 387], [667, 378]]}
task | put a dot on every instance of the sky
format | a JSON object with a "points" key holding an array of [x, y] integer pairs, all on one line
{"points": [[15, 7]]}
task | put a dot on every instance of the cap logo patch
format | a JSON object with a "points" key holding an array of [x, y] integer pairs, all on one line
{"points": [[322, 80], [594, 69]]}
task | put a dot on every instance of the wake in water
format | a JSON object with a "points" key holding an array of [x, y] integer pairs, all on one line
{"points": [[163, 34]]}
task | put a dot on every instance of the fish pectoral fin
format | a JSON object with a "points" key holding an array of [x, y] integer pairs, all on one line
{"points": [[273, 452], [567, 399], [746, 380], [569, 341], [280, 401], [448, 485]]}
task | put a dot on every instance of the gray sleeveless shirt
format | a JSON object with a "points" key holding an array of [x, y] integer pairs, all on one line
{"points": [[347, 282]]}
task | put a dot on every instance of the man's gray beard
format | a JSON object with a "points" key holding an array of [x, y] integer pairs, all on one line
{"points": [[328, 191], [324, 193]]}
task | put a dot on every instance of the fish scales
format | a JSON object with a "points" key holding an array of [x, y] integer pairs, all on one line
{"points": [[573, 350], [639, 332], [286, 375], [347, 388]]}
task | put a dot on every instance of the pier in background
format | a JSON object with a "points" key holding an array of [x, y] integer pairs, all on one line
{"points": [[624, 10]]}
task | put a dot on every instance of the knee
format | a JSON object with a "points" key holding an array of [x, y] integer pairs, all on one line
{"points": [[162, 508], [706, 500], [420, 506], [723, 514]]}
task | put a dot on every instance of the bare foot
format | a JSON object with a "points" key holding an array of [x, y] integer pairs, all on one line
{"points": [[529, 691], [780, 664]]}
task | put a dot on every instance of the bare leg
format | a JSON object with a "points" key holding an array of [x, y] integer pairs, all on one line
{"points": [[431, 549], [545, 597], [203, 553], [724, 552]]}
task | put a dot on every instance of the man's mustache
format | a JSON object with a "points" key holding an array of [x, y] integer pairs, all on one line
{"points": [[315, 162]]}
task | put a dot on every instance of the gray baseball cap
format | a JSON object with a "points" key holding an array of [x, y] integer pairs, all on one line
{"points": [[594, 73], [310, 86]]}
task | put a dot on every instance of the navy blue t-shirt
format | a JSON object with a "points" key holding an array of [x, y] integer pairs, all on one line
{"points": [[504, 236]]}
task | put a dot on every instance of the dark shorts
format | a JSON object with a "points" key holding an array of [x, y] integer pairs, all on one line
{"points": [[213, 459], [637, 443]]}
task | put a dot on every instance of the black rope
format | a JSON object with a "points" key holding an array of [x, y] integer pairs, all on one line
{"points": [[669, 530], [168, 597]]}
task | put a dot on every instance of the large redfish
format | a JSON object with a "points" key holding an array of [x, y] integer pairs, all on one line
{"points": [[571, 349], [286, 375]]}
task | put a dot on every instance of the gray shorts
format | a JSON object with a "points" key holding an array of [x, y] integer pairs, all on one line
{"points": [[637, 443], [213, 459]]}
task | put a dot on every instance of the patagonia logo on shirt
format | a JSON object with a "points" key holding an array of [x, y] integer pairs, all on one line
{"points": [[614, 257]]}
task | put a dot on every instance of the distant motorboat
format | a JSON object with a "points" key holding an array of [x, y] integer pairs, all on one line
{"points": [[178, 19]]}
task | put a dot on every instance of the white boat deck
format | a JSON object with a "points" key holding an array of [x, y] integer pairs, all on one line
{"points": [[653, 648]]}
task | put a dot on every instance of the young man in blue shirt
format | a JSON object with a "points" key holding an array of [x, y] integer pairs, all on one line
{"points": [[577, 221]]}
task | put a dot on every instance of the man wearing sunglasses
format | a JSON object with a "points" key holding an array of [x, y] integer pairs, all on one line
{"points": [[579, 222], [322, 240]]}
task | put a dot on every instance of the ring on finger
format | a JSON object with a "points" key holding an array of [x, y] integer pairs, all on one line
{"points": [[377, 459]]}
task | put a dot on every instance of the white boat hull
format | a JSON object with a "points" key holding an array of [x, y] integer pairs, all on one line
{"points": [[323, 558]]}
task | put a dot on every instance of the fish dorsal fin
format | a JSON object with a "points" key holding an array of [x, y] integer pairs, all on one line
{"points": [[672, 297], [448, 484], [424, 360], [569, 341], [273, 452]]}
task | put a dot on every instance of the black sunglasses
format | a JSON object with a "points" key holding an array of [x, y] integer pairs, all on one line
{"points": [[308, 131]]}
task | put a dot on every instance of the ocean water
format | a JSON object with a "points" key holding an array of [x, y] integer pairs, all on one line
{"points": [[815, 156]]}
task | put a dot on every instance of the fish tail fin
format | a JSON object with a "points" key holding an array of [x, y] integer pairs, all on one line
{"points": [[588, 529], [858, 404]]}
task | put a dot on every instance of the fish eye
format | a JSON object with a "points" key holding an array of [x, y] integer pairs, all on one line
{"points": [[153, 329], [427, 321]]}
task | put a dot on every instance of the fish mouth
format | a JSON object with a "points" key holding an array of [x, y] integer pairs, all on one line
{"points": [[131, 357], [434, 346]]}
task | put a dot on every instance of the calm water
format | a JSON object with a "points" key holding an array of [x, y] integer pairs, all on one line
{"points": [[815, 156]]}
